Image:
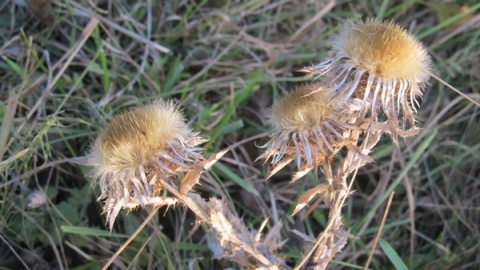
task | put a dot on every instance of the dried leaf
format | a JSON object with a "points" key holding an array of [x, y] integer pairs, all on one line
{"points": [[308, 195], [214, 158], [284, 162], [193, 176], [189, 180], [341, 240], [356, 158], [301, 173], [273, 238]]}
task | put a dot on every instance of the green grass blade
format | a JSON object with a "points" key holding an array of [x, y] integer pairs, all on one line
{"points": [[229, 174], [91, 232], [392, 255], [239, 98], [382, 10], [447, 22], [18, 69]]}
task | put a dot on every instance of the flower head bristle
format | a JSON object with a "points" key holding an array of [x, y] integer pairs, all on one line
{"points": [[137, 147], [378, 62], [309, 126]]}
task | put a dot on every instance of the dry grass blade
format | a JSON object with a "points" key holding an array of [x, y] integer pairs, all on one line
{"points": [[317, 17], [379, 233], [87, 31], [81, 11], [14, 252], [6, 126], [455, 90], [130, 239]]}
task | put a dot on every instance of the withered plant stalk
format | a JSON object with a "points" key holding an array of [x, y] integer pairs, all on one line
{"points": [[369, 85]]}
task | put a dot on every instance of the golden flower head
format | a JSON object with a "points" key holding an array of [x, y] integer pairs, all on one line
{"points": [[377, 62], [138, 146], [308, 126]]}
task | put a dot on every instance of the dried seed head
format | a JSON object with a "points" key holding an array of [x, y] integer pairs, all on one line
{"points": [[378, 62], [135, 148], [308, 127]]}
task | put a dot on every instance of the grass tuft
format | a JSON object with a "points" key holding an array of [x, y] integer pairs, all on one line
{"points": [[63, 76]]}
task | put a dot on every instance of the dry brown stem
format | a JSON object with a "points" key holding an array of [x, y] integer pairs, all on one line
{"points": [[334, 238], [237, 242]]}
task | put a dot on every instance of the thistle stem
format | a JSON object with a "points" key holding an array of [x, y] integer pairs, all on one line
{"points": [[327, 170], [333, 238], [202, 209]]}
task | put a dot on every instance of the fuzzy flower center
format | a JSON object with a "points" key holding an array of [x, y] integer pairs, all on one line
{"points": [[301, 109], [383, 49], [134, 137]]}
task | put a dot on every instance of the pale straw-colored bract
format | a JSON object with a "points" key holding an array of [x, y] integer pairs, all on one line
{"points": [[136, 148]]}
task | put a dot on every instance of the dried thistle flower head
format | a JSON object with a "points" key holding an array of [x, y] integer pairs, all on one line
{"points": [[137, 147], [378, 62], [308, 127]]}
